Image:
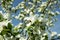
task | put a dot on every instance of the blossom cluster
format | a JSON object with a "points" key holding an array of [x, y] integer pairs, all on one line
{"points": [[36, 18]]}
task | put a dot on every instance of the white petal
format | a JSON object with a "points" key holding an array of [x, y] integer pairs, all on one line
{"points": [[1, 38], [4, 23], [53, 34], [29, 24]]}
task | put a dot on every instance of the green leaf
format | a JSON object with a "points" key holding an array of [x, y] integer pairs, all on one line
{"points": [[3, 32], [9, 26], [1, 18], [8, 0], [46, 37], [3, 3]]}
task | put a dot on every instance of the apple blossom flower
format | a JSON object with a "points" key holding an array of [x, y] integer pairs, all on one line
{"points": [[32, 18], [17, 17], [27, 10], [42, 38], [18, 36], [29, 24], [58, 35], [4, 23], [19, 25], [41, 19], [13, 8], [1, 12], [31, 13], [6, 15], [1, 37], [22, 38], [57, 12], [39, 31], [44, 34], [1, 28], [49, 23], [30, 3], [52, 13], [39, 9], [53, 34], [43, 4]]}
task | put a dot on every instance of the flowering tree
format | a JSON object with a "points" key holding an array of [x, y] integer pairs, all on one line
{"points": [[36, 16]]}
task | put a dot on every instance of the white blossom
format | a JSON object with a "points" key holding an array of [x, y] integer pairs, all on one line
{"points": [[27, 18], [11, 37], [1, 37], [34, 0], [13, 8], [55, 2], [21, 15], [44, 34], [11, 3], [29, 24], [41, 15], [42, 38], [31, 13], [27, 10], [57, 12], [53, 34], [21, 5], [17, 17], [48, 23], [6, 15], [22, 38], [39, 31], [58, 35], [43, 4], [30, 3], [1, 28], [40, 19], [12, 0], [40, 9], [1, 12], [18, 36], [16, 29], [31, 18], [19, 25], [4, 23], [52, 13], [38, 1]]}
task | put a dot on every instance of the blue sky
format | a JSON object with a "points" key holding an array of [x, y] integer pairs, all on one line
{"points": [[57, 25], [55, 28]]}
